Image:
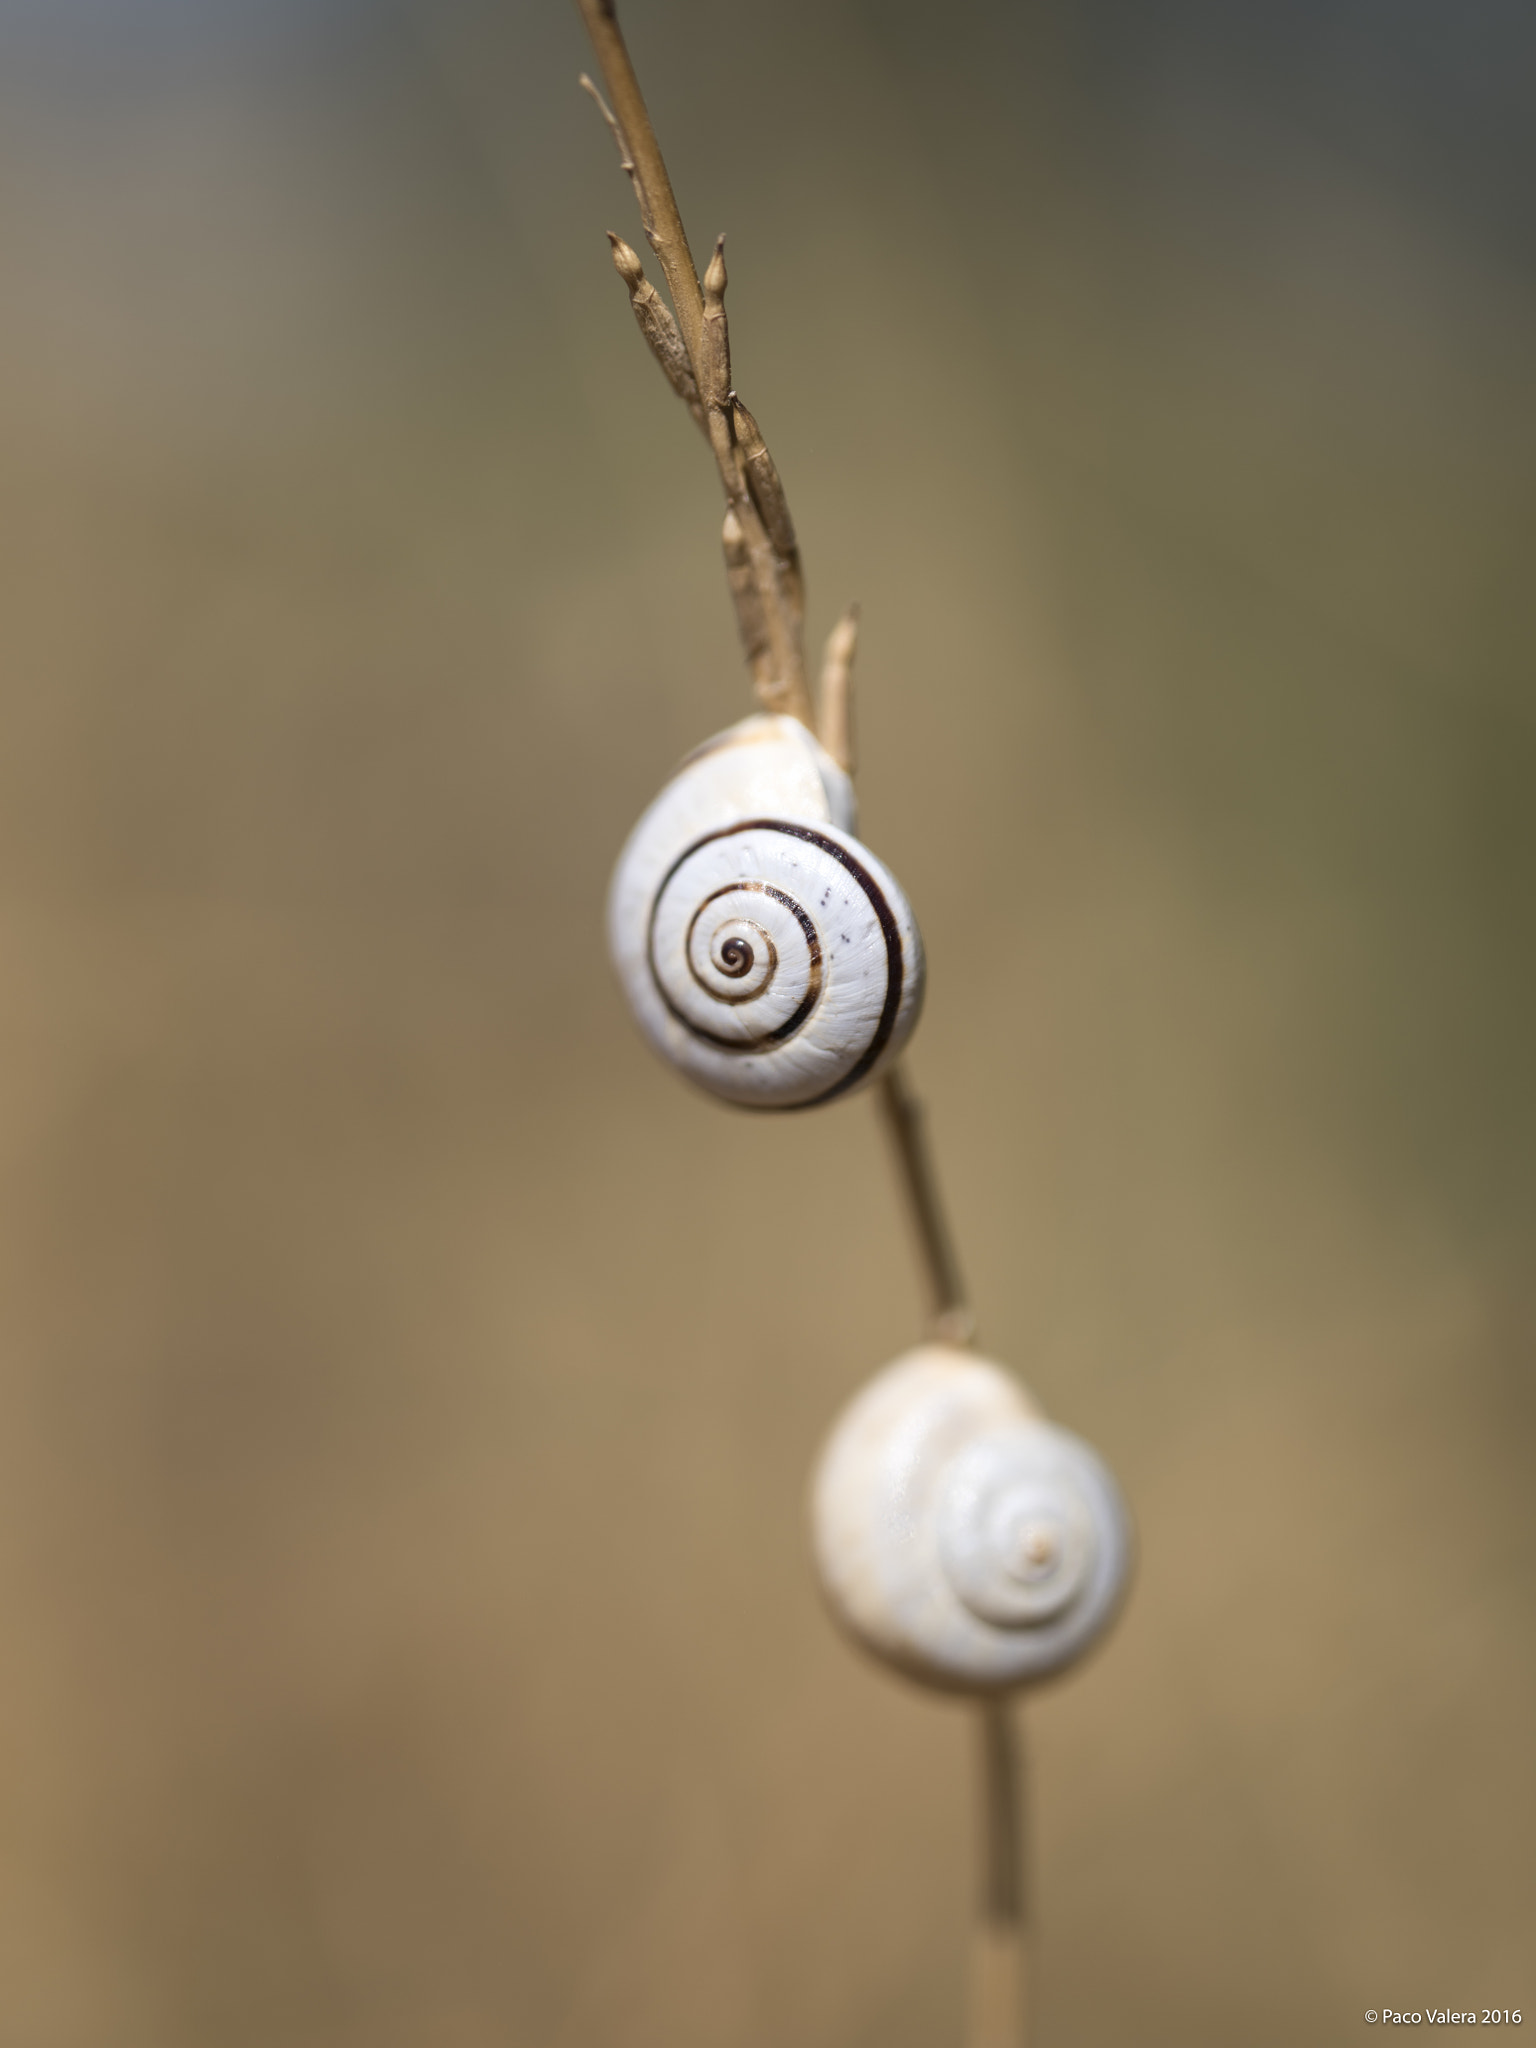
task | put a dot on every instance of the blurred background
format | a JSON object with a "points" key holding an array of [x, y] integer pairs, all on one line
{"points": [[409, 1636]]}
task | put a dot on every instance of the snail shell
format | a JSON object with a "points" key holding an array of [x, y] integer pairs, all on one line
{"points": [[959, 1535], [763, 949]]}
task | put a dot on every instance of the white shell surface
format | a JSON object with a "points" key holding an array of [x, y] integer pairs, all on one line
{"points": [[764, 950], [960, 1536]]}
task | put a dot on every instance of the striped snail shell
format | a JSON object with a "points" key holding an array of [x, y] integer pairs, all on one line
{"points": [[961, 1537], [765, 952]]}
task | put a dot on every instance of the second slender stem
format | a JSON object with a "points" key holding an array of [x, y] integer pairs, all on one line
{"points": [[999, 2008], [949, 1312], [999, 2011]]}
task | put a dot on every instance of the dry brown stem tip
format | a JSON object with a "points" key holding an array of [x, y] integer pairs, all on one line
{"points": [[835, 698], [626, 262], [626, 161], [715, 365]]}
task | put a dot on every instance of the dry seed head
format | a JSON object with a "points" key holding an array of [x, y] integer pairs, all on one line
{"points": [[715, 342], [764, 484], [626, 262]]}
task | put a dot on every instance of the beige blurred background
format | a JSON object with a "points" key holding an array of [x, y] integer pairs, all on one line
{"points": [[406, 1386]]}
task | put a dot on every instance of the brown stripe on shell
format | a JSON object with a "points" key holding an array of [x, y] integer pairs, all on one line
{"points": [[889, 928], [719, 995], [807, 1003]]}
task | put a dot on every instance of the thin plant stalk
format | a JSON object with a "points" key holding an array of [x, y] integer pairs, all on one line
{"points": [[1000, 1977], [768, 588], [950, 1320], [691, 343]]}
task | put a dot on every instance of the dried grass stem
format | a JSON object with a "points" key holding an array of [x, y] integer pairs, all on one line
{"points": [[950, 1319], [692, 345]]}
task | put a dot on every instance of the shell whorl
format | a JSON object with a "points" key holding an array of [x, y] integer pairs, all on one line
{"points": [[961, 1537], [765, 951]]}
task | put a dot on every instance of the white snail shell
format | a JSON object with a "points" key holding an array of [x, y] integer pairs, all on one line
{"points": [[959, 1535], [764, 950]]}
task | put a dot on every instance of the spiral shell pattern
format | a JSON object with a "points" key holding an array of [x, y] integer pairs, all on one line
{"points": [[960, 1536], [765, 951]]}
